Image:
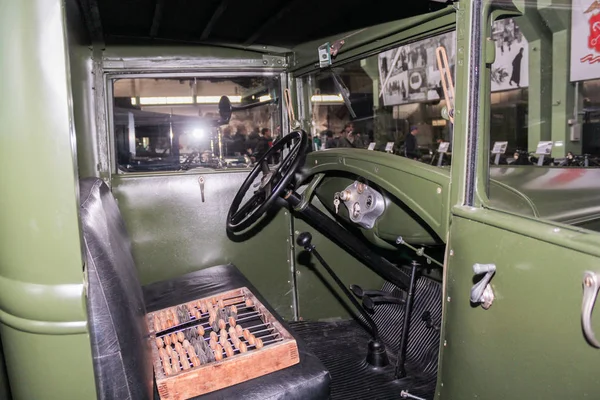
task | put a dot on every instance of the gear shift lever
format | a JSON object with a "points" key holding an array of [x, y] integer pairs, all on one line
{"points": [[376, 355]]}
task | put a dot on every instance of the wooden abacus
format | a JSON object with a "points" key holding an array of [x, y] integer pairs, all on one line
{"points": [[216, 342]]}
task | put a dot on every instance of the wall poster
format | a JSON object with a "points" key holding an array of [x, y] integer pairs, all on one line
{"points": [[409, 73], [511, 67], [585, 40]]}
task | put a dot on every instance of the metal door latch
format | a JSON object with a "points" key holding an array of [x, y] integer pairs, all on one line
{"points": [[590, 292], [201, 183], [482, 291]]}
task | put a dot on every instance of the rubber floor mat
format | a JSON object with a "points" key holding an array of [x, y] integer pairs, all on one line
{"points": [[342, 347]]}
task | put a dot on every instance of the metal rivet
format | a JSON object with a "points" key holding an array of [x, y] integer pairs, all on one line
{"points": [[556, 230], [445, 343], [376, 169], [265, 62], [439, 190], [297, 272], [442, 384], [451, 252], [449, 299]]}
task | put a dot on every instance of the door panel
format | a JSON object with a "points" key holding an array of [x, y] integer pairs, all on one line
{"points": [[529, 344], [174, 232]]}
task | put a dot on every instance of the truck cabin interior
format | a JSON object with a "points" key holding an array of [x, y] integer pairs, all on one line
{"points": [[363, 307], [343, 248]]}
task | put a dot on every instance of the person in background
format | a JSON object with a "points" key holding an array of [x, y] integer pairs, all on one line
{"points": [[316, 142], [351, 138], [264, 143], [343, 140], [227, 142], [330, 141], [239, 140], [410, 143], [252, 141]]}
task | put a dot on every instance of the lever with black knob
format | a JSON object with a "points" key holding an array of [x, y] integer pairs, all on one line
{"points": [[376, 355]]}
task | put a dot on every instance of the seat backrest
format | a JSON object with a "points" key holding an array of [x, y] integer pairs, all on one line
{"points": [[118, 328]]}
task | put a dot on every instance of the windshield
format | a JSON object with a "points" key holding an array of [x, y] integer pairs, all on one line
{"points": [[390, 102], [173, 123]]}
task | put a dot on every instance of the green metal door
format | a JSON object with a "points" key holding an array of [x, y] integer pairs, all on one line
{"points": [[529, 343]]}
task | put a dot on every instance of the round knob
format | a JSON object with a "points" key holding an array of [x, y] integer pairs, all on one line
{"points": [[304, 239]]}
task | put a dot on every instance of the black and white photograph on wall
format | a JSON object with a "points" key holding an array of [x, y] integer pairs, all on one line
{"points": [[410, 74], [511, 68]]}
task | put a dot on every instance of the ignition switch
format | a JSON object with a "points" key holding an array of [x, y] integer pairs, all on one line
{"points": [[356, 210], [345, 195]]}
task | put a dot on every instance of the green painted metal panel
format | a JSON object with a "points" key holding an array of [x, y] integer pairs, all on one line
{"points": [[49, 367], [423, 188], [42, 307], [173, 232], [529, 344]]}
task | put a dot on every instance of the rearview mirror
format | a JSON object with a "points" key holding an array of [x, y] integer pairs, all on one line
{"points": [[225, 110]]}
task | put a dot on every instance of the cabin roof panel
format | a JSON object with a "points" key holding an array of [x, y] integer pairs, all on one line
{"points": [[282, 23]]}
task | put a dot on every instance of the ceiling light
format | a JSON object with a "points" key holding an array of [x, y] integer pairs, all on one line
{"points": [[327, 98], [215, 99]]}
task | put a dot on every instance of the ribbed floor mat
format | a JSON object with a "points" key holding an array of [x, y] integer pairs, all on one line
{"points": [[342, 347]]}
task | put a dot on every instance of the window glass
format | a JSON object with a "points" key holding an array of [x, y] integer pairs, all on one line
{"points": [[390, 102], [171, 124], [544, 113]]}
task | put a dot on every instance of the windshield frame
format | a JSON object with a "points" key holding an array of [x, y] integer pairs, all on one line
{"points": [[111, 77]]}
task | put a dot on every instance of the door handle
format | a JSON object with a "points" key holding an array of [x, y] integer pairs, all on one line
{"points": [[482, 291], [590, 293], [201, 181]]}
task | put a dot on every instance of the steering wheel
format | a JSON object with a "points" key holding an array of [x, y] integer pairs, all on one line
{"points": [[272, 183]]}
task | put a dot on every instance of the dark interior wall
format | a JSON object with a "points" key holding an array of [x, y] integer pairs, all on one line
{"points": [[82, 88]]}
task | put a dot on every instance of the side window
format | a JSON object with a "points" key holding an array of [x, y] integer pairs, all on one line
{"points": [[391, 102], [544, 120], [170, 123]]}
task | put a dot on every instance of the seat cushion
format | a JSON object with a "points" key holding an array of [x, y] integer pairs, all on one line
{"points": [[306, 380]]}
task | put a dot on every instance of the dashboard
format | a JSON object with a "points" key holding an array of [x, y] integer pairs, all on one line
{"points": [[384, 196]]}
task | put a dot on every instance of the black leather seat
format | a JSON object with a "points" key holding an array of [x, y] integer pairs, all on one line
{"points": [[117, 305]]}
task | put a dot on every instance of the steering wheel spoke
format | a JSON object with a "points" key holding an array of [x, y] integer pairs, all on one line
{"points": [[272, 183], [249, 206]]}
